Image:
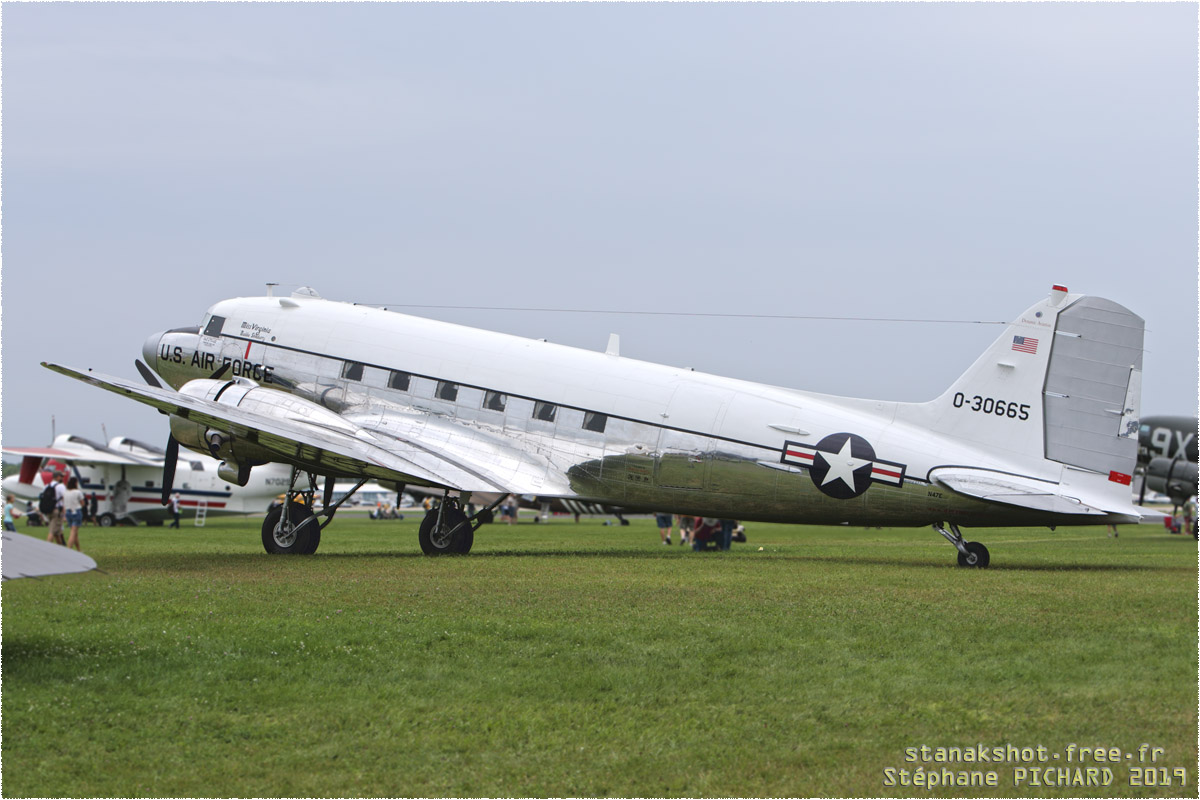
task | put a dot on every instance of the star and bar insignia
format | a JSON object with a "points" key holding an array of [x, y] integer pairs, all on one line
{"points": [[843, 465]]}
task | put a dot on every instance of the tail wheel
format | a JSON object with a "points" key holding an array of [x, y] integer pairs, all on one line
{"points": [[455, 534], [300, 534], [976, 556]]}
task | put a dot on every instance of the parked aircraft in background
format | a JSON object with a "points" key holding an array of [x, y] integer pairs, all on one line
{"points": [[127, 478], [1041, 430], [1167, 457]]}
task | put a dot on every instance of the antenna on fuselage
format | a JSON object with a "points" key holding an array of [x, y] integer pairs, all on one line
{"points": [[271, 289]]}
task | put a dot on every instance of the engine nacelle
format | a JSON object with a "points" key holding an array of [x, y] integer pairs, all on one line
{"points": [[238, 454], [1173, 477]]}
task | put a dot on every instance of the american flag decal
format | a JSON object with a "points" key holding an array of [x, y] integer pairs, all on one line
{"points": [[1025, 344]]}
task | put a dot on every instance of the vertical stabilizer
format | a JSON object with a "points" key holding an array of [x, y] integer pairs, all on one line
{"points": [[1061, 384]]}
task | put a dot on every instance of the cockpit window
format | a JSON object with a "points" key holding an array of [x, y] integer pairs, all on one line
{"points": [[213, 328]]}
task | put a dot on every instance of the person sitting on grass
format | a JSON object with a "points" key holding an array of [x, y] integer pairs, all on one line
{"points": [[707, 534]]}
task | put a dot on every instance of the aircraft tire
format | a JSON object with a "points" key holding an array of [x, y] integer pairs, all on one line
{"points": [[303, 537], [106, 520], [460, 543], [981, 553]]}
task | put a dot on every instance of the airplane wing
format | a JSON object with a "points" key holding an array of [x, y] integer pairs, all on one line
{"points": [[81, 455], [419, 453], [23, 556]]}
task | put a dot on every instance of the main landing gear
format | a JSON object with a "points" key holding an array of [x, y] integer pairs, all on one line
{"points": [[970, 554], [293, 527], [447, 529]]}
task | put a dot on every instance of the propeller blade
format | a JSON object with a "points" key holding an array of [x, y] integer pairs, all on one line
{"points": [[147, 375], [169, 462], [328, 491]]}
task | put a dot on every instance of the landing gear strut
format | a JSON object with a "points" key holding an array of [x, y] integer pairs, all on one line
{"points": [[970, 554], [293, 526], [447, 529]]}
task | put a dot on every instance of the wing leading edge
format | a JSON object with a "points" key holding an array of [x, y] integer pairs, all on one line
{"points": [[347, 451]]}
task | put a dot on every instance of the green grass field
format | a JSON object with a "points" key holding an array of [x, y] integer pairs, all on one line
{"points": [[562, 659]]}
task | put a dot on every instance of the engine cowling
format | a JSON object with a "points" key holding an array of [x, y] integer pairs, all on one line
{"points": [[239, 456], [1173, 477]]}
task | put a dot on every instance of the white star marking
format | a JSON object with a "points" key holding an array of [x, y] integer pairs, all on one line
{"points": [[842, 466]]}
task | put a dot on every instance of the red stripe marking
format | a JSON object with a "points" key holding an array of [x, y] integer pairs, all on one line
{"points": [[888, 472], [158, 500], [247, 356]]}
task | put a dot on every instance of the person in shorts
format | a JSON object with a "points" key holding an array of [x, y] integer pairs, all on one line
{"points": [[686, 526], [665, 522], [72, 504], [54, 518]]}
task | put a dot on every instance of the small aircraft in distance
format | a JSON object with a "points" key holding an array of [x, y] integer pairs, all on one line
{"points": [[1167, 457], [127, 477], [1041, 430]]}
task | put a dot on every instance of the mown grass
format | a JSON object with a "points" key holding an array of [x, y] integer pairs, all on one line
{"points": [[562, 660]]}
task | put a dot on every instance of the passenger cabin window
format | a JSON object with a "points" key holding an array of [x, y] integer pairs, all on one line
{"points": [[494, 401], [544, 411], [352, 371], [197, 466], [447, 391], [398, 381], [594, 422], [213, 328]]}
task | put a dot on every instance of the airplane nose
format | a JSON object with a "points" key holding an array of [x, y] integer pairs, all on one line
{"points": [[150, 350]]}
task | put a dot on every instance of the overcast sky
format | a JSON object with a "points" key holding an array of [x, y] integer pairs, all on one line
{"points": [[924, 161]]}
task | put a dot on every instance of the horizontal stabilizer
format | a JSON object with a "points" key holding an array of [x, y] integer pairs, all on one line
{"points": [[26, 557], [1013, 490]]}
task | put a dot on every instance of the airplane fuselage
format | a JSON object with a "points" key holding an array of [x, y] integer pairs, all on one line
{"points": [[628, 433]]}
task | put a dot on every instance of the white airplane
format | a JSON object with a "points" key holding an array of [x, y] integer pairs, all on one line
{"points": [[127, 478], [1041, 430]]}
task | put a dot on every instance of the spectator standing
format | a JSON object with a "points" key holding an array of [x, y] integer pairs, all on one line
{"points": [[727, 526], [665, 523], [9, 513], [686, 526], [54, 516], [73, 510]]}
